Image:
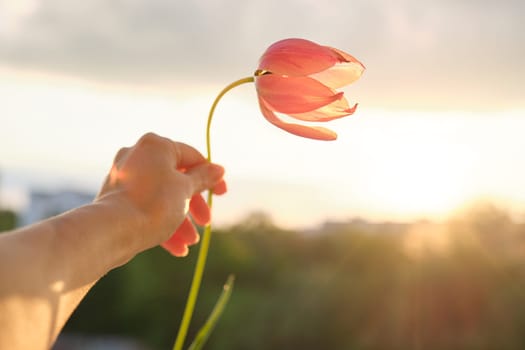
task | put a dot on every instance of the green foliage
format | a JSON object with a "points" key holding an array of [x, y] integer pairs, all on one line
{"points": [[349, 288], [7, 220], [205, 331]]}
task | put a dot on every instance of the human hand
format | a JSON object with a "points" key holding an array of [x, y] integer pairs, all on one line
{"points": [[158, 182]]}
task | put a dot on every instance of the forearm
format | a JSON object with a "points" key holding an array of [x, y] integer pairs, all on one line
{"points": [[47, 269]]}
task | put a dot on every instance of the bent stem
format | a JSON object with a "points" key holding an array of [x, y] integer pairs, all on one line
{"points": [[206, 236]]}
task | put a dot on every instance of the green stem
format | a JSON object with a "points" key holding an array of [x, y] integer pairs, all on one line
{"points": [[206, 236]]}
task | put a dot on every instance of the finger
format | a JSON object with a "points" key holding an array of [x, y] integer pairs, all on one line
{"points": [[205, 176], [199, 210], [187, 232], [186, 156], [220, 188], [185, 235]]}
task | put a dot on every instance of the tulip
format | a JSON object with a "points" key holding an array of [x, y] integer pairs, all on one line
{"points": [[295, 77], [298, 78]]}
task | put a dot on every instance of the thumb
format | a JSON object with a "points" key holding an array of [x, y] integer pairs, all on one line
{"points": [[205, 176]]}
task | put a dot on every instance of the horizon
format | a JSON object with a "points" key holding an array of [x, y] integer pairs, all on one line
{"points": [[16, 197]]}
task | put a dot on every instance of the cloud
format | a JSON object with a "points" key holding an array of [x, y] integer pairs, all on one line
{"points": [[443, 53], [132, 40]]}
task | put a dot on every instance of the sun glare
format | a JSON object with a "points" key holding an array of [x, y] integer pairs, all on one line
{"points": [[417, 166], [424, 238], [428, 179]]}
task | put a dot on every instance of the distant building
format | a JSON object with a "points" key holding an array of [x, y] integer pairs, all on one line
{"points": [[44, 204]]}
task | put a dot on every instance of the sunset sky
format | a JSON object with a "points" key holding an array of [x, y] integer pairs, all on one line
{"points": [[440, 122]]}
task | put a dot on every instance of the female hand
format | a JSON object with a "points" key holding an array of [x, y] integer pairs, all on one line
{"points": [[157, 182]]}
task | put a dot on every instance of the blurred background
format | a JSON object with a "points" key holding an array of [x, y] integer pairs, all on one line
{"points": [[405, 233]]}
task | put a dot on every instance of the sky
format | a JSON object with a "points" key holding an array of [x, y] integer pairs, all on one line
{"points": [[439, 124]]}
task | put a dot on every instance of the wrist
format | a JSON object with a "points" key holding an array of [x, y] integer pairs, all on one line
{"points": [[99, 236], [123, 223]]}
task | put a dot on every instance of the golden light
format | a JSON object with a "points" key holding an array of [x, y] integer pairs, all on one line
{"points": [[418, 166], [426, 179], [426, 237]]}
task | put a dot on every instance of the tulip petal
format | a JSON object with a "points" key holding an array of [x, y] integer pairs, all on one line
{"points": [[297, 57], [345, 57], [294, 94], [311, 132], [346, 71], [335, 110], [340, 75]]}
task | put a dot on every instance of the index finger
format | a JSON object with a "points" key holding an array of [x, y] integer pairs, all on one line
{"points": [[186, 156]]}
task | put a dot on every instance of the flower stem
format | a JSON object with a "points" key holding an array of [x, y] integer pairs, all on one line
{"points": [[206, 236]]}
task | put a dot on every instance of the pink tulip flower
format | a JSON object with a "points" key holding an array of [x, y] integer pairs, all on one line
{"points": [[299, 78], [295, 77]]}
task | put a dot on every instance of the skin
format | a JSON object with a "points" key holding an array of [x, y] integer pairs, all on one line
{"points": [[47, 268]]}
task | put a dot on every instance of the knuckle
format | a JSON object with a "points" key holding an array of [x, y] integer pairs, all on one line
{"points": [[120, 154], [201, 179], [149, 137]]}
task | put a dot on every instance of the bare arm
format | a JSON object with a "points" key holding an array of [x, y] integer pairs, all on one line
{"points": [[46, 269]]}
